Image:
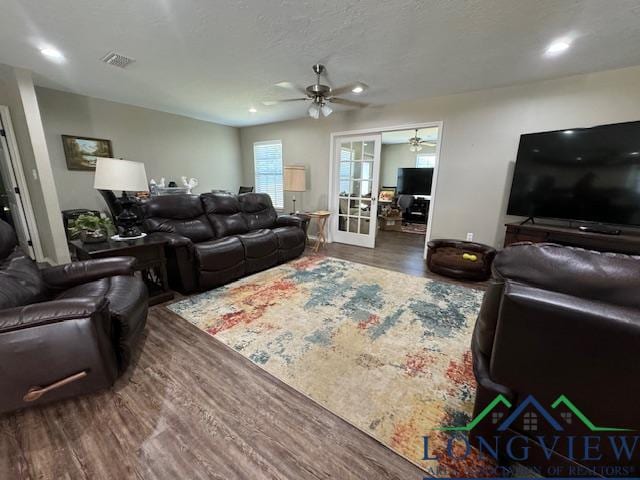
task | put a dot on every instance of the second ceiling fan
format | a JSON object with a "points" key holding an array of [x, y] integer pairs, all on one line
{"points": [[321, 95]]}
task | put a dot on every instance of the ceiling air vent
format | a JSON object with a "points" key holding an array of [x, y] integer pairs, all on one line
{"points": [[117, 60]]}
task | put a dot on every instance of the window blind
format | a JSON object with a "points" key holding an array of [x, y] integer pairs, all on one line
{"points": [[425, 161], [267, 161]]}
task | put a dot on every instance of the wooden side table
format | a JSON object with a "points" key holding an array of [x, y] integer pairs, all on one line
{"points": [[151, 262], [321, 217]]}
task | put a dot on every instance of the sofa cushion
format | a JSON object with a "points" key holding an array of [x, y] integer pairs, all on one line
{"points": [[181, 214], [223, 211], [128, 304], [259, 243], [289, 237], [260, 250], [220, 254], [20, 281], [257, 210]]}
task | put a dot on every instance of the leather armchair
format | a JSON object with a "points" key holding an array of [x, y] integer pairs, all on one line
{"points": [[555, 321], [64, 330]]}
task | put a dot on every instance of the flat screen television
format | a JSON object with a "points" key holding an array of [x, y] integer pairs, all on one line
{"points": [[585, 174], [415, 181]]}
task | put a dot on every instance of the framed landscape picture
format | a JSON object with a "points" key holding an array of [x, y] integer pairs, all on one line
{"points": [[81, 152]]}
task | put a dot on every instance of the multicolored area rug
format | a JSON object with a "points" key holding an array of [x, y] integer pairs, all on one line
{"points": [[385, 351]]}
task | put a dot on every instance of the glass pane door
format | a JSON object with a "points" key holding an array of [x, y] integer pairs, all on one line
{"points": [[356, 176]]}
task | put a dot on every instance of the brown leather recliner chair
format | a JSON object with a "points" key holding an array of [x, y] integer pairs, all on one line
{"points": [[216, 238], [64, 330], [557, 321]]}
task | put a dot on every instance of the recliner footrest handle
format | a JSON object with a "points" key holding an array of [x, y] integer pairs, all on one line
{"points": [[35, 393]]}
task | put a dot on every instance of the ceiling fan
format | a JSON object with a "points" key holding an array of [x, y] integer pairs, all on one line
{"points": [[416, 143], [321, 95]]}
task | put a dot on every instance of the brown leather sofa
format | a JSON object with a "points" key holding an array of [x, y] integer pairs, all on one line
{"points": [[216, 238], [556, 321], [65, 330]]}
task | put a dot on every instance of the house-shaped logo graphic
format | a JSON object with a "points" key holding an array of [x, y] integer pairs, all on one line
{"points": [[532, 412], [530, 421]]}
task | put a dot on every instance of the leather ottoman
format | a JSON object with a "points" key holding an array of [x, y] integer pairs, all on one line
{"points": [[461, 260]]}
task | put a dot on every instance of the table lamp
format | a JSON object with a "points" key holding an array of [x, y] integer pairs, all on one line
{"points": [[128, 176], [295, 180]]}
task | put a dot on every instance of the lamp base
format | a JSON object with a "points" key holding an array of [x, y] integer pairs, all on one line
{"points": [[119, 238], [127, 221]]}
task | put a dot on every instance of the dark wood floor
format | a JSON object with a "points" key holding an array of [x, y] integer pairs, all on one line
{"points": [[190, 408]]}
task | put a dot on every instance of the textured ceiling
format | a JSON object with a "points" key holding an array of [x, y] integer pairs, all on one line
{"points": [[213, 59]]}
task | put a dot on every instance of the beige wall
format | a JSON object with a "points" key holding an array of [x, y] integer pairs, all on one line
{"points": [[18, 93], [395, 156], [170, 146], [479, 140]]}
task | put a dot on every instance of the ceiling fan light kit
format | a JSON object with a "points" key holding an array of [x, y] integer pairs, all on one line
{"points": [[416, 143], [321, 95], [314, 111]]}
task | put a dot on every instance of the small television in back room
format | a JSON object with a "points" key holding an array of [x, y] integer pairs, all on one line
{"points": [[582, 174], [415, 181]]}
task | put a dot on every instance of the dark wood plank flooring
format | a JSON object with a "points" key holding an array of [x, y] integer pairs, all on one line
{"points": [[191, 408]]}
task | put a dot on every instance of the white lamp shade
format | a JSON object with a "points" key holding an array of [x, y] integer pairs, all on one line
{"points": [[115, 174], [295, 178]]}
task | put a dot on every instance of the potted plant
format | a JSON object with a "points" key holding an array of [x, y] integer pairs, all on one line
{"points": [[91, 228]]}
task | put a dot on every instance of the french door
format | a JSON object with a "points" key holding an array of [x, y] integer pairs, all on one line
{"points": [[355, 189]]}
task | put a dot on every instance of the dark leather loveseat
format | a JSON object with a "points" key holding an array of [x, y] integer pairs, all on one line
{"points": [[65, 330], [215, 238], [563, 325]]}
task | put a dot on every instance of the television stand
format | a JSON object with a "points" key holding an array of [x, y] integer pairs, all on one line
{"points": [[600, 229], [627, 241]]}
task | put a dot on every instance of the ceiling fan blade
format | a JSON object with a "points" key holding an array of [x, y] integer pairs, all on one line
{"points": [[346, 88], [275, 102], [292, 86], [349, 103]]}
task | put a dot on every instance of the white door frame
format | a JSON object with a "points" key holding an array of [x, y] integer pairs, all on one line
{"points": [[392, 128], [15, 165]]}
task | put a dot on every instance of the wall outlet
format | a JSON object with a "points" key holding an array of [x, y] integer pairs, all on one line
{"points": [[470, 237]]}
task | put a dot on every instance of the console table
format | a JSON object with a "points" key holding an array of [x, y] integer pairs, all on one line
{"points": [[627, 242]]}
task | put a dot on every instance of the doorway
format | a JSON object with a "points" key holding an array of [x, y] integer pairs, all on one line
{"points": [[355, 183], [15, 205], [395, 209]]}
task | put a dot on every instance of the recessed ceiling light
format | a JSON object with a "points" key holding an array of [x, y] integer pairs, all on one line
{"points": [[52, 54], [253, 110], [358, 89], [557, 47]]}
